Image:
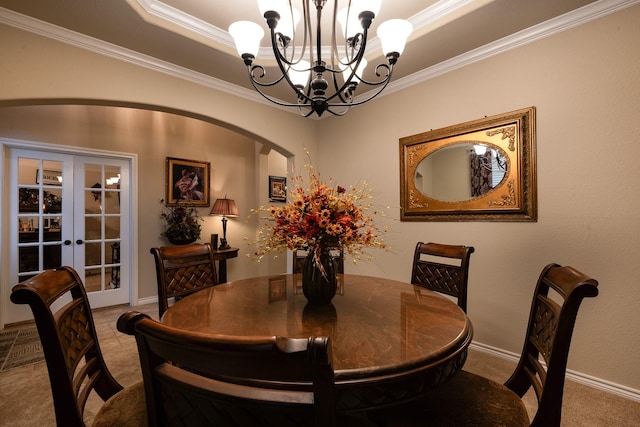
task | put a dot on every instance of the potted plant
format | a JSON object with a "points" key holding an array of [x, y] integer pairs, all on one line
{"points": [[182, 224]]}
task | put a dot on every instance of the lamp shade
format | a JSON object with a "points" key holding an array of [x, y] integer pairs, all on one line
{"points": [[224, 207], [347, 72], [300, 74], [349, 18], [247, 36], [393, 35]]}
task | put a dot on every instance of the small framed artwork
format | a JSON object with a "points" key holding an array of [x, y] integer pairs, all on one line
{"points": [[188, 182], [49, 177], [277, 189]]}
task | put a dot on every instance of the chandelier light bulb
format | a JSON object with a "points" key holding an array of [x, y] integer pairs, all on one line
{"points": [[393, 35], [480, 149], [358, 6], [288, 22], [247, 36], [300, 74], [280, 6], [347, 72]]}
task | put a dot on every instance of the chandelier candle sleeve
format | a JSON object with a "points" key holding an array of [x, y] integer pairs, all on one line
{"points": [[321, 78]]}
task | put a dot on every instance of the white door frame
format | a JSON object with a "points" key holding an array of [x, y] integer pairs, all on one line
{"points": [[6, 143]]}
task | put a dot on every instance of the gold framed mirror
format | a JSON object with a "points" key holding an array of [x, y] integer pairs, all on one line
{"points": [[482, 170]]}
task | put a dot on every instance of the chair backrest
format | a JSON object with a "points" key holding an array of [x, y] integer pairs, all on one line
{"points": [[447, 278], [63, 317], [300, 255], [183, 269], [543, 361], [193, 378]]}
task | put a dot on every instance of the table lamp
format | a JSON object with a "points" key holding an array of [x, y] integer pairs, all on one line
{"points": [[225, 208]]}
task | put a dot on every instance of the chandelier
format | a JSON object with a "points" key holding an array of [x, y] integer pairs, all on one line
{"points": [[322, 81]]}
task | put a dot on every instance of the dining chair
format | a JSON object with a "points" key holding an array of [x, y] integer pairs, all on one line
{"points": [[74, 360], [182, 270], [199, 379], [299, 255], [473, 400], [430, 271]]}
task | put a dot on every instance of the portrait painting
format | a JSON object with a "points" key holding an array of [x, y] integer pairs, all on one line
{"points": [[187, 182]]}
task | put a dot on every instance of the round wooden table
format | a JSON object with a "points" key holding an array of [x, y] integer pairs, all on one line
{"points": [[390, 340]]}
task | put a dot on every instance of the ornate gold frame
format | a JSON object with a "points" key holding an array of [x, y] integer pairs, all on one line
{"points": [[514, 199], [199, 190]]}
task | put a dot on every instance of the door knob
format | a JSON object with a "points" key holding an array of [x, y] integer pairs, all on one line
{"points": [[67, 242], [79, 242]]}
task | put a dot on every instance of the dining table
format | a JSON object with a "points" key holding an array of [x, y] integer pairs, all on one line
{"points": [[390, 340]]}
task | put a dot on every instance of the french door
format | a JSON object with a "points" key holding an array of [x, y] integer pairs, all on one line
{"points": [[70, 210]]}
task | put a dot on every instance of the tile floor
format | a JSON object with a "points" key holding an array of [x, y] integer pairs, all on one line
{"points": [[25, 393]]}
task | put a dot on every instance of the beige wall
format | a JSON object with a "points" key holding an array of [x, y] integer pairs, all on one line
{"points": [[44, 71], [585, 85]]}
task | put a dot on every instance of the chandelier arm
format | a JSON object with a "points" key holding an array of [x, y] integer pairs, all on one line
{"points": [[349, 85], [334, 44], [386, 78], [386, 82], [280, 58], [260, 68], [319, 32], [275, 100], [303, 114]]}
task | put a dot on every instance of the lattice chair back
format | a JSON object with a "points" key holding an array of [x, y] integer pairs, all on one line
{"points": [[543, 362], [434, 274], [194, 378], [181, 270], [473, 400], [74, 360]]}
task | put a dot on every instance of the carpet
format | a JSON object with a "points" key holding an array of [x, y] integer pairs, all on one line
{"points": [[20, 348]]}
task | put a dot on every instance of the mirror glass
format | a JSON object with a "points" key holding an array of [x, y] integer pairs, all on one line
{"points": [[461, 171], [483, 170]]}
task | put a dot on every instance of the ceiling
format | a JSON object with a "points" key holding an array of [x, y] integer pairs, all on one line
{"points": [[188, 38]]}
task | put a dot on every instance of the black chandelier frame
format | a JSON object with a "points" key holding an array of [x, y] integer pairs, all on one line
{"points": [[313, 97]]}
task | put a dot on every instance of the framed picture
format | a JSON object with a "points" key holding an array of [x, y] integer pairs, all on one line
{"points": [[188, 182], [277, 189]]}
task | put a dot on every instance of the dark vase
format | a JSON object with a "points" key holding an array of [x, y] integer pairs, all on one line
{"points": [[319, 288]]}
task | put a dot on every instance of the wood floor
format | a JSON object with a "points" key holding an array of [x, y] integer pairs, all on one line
{"points": [[25, 395]]}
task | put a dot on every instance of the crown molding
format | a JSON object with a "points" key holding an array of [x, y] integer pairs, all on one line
{"points": [[545, 29], [119, 53], [570, 20], [202, 29]]}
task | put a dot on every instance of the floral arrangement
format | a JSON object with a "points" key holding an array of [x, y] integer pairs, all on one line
{"points": [[182, 223], [321, 217]]}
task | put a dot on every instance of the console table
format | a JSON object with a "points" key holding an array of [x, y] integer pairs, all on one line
{"points": [[221, 255]]}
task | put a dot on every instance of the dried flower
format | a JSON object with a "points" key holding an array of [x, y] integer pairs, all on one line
{"points": [[320, 217]]}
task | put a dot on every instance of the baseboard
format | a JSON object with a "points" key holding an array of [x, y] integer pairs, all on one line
{"points": [[148, 300], [597, 383]]}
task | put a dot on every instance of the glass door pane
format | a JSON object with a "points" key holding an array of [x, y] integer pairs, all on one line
{"points": [[39, 215], [102, 219]]}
